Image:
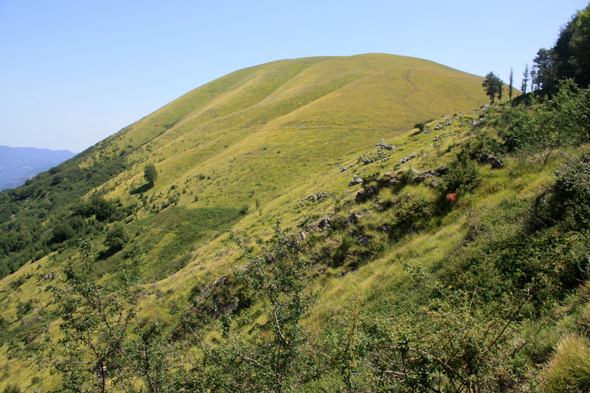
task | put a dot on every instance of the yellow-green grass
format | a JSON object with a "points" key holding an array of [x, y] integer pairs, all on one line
{"points": [[569, 367]]}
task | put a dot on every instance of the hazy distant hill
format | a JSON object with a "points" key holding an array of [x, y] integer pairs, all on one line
{"points": [[17, 164]]}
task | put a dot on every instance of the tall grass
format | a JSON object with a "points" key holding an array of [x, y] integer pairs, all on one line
{"points": [[569, 368]]}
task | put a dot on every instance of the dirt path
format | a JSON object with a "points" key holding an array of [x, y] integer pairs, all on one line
{"points": [[407, 78]]}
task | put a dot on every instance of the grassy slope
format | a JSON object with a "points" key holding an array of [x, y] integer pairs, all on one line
{"points": [[273, 133]]}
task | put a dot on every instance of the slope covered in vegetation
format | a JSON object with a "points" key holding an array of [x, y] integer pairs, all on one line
{"points": [[447, 257]]}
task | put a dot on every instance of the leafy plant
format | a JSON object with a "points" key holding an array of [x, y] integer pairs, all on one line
{"points": [[549, 123], [462, 176], [279, 358], [12, 388], [117, 237], [105, 344], [150, 173]]}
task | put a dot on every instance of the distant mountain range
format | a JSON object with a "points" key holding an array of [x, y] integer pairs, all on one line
{"points": [[18, 164]]}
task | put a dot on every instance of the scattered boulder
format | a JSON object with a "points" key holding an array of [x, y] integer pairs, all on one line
{"points": [[362, 240], [384, 145], [353, 218], [366, 194], [486, 158], [387, 180], [408, 158], [432, 184], [316, 197], [325, 223], [355, 180], [365, 159], [418, 179], [440, 171], [385, 228]]}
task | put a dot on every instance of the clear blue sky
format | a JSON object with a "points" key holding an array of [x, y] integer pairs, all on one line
{"points": [[75, 72]]}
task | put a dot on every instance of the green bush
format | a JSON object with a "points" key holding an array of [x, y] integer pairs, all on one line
{"points": [[61, 233], [12, 388], [117, 238], [462, 176], [547, 124], [568, 199]]}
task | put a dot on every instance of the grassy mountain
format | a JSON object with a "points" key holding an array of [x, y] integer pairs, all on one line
{"points": [[409, 250], [251, 136]]}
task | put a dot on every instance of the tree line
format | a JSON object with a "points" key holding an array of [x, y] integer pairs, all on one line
{"points": [[568, 59]]}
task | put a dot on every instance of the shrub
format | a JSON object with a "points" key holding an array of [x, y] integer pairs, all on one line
{"points": [[12, 388], [61, 233], [117, 238], [420, 126], [569, 197], [548, 124], [18, 282], [463, 175]]}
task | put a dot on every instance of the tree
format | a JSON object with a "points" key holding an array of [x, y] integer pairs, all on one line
{"points": [[150, 174], [511, 81], [492, 86], [525, 79], [545, 71], [108, 342], [500, 84], [581, 46]]}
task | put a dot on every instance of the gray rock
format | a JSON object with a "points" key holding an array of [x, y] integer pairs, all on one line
{"points": [[355, 180], [486, 158]]}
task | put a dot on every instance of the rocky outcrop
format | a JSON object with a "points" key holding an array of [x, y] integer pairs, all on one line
{"points": [[486, 158], [367, 193], [391, 179]]}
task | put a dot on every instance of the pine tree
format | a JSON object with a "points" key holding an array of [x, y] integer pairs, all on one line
{"points": [[525, 79], [511, 80]]}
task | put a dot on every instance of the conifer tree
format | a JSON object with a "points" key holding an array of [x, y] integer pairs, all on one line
{"points": [[511, 81], [525, 79]]}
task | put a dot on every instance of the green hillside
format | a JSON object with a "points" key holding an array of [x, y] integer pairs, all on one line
{"points": [[396, 257]]}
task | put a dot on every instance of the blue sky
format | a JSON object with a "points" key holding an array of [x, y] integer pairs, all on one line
{"points": [[75, 72]]}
